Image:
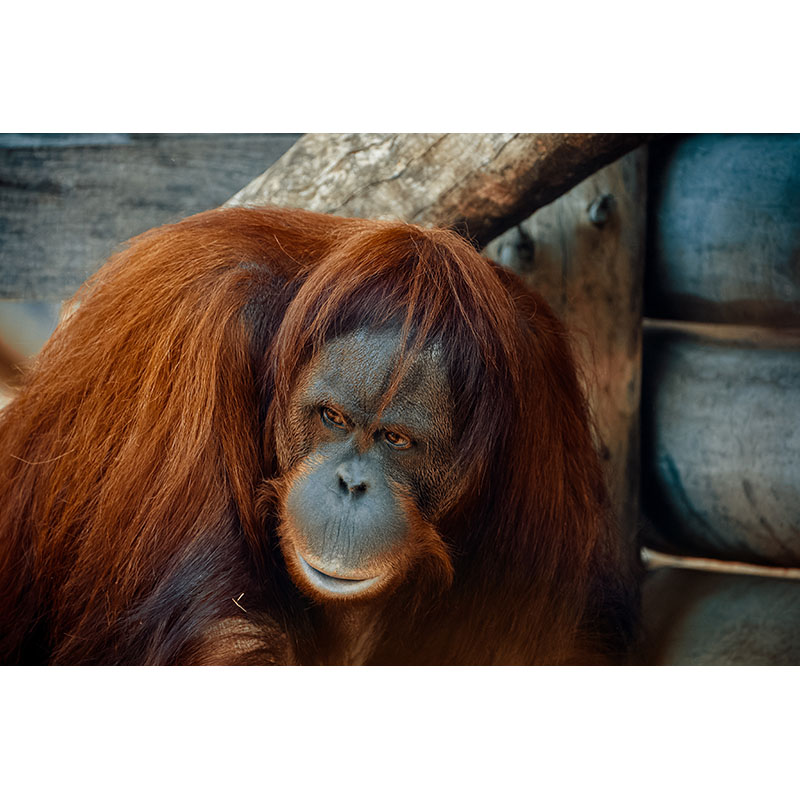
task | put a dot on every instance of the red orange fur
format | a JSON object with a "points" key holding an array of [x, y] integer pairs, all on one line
{"points": [[137, 460]]}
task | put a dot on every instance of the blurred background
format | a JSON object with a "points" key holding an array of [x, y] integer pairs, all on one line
{"points": [[68, 200]]}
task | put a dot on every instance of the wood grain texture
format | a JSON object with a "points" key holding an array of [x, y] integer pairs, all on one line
{"points": [[480, 184], [592, 276], [64, 209]]}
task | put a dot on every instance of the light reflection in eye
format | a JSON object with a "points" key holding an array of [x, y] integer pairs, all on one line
{"points": [[397, 440], [333, 417]]}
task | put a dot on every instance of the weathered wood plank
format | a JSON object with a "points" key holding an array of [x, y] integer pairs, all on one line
{"points": [[591, 273], [725, 229], [64, 209], [721, 441], [481, 184]]}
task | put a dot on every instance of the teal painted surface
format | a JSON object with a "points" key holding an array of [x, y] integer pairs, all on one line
{"points": [[724, 230], [721, 448]]}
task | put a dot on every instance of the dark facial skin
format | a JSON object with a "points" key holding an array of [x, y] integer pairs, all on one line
{"points": [[363, 489]]}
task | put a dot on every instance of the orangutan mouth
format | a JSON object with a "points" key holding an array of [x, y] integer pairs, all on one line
{"points": [[333, 584]]}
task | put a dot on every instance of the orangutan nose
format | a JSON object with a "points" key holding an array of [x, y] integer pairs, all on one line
{"points": [[352, 479]]}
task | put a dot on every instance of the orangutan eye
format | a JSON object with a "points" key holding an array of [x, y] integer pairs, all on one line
{"points": [[333, 418], [397, 440]]}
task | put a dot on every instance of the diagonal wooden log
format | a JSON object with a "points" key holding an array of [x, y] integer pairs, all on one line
{"points": [[480, 184]]}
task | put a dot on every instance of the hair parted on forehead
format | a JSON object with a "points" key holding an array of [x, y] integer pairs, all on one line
{"points": [[431, 284]]}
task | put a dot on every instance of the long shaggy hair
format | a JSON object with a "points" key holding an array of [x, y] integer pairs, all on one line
{"points": [[136, 519]]}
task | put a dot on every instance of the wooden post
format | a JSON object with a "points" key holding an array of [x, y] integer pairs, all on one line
{"points": [[585, 254]]}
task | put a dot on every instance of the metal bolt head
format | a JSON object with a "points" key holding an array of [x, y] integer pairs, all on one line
{"points": [[600, 209]]}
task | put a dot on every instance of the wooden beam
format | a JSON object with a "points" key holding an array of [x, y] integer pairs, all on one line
{"points": [[480, 184]]}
